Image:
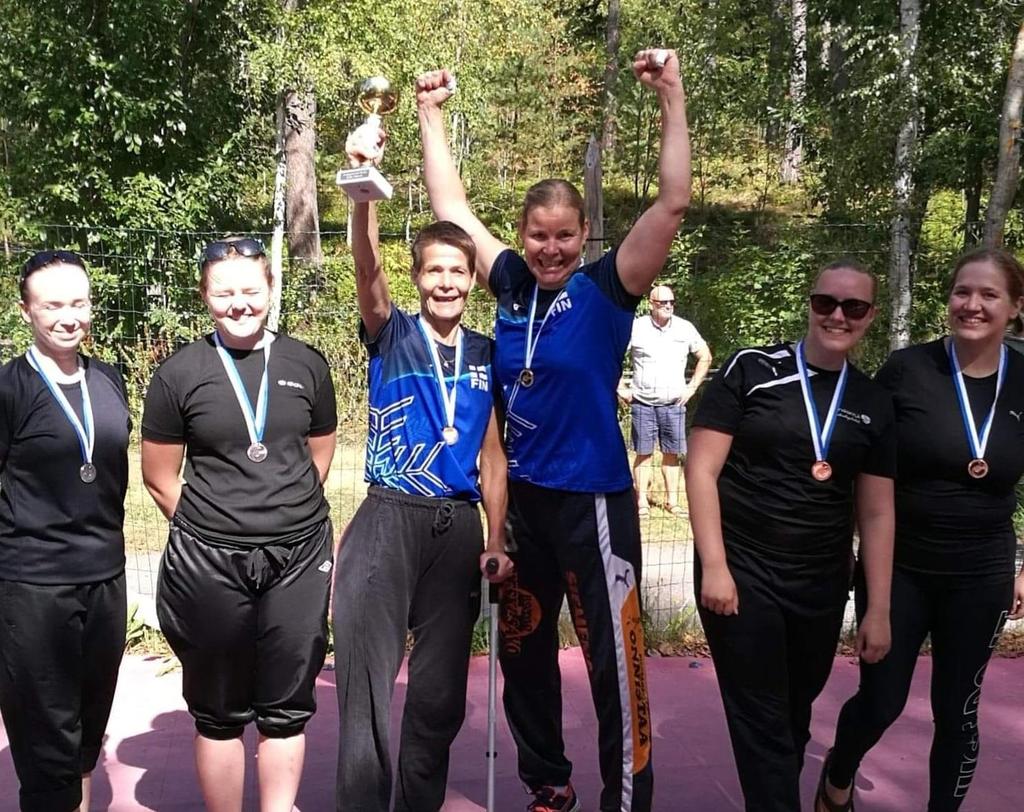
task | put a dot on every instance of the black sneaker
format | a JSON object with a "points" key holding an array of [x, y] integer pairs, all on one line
{"points": [[547, 799]]}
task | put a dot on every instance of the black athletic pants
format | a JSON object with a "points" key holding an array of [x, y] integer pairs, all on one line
{"points": [[772, 660], [60, 650], [586, 547], [964, 618], [249, 624], [407, 563]]}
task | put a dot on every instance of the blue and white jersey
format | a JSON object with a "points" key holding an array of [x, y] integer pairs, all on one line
{"points": [[405, 449], [563, 430]]}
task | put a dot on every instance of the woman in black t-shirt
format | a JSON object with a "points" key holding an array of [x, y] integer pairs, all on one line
{"points": [[790, 442], [64, 429], [244, 581], [958, 402]]}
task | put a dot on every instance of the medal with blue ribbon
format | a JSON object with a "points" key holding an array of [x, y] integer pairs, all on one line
{"points": [[255, 420], [821, 435], [449, 432], [84, 430], [977, 439]]}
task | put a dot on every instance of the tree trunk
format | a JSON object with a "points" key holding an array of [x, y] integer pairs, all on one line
{"points": [[776, 65], [301, 213], [594, 197], [611, 75], [1004, 189], [277, 241], [903, 188], [974, 178], [790, 170]]}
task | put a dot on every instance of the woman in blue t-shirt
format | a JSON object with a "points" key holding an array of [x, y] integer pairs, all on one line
{"points": [[561, 331]]}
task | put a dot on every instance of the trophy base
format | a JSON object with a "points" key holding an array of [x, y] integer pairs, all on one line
{"points": [[363, 184]]}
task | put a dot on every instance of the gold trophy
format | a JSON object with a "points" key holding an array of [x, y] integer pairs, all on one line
{"points": [[377, 98]]}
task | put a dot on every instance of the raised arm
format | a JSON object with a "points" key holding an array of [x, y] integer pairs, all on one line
{"points": [[444, 186], [365, 145], [708, 451], [876, 525], [644, 250]]}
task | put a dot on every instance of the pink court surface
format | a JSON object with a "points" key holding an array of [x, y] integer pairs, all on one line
{"points": [[148, 752]]}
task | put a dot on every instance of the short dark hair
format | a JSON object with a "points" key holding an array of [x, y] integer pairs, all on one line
{"points": [[45, 259], [847, 263], [552, 192], [444, 232], [1007, 263]]}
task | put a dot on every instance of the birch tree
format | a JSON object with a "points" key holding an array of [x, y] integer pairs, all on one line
{"points": [[1004, 189]]}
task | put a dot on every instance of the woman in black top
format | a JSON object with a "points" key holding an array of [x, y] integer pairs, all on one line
{"points": [[959, 402], [790, 442], [244, 581], [64, 430]]}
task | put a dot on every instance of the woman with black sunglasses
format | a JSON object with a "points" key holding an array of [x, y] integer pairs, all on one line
{"points": [[244, 580], [64, 429], [790, 442], [959, 402]]}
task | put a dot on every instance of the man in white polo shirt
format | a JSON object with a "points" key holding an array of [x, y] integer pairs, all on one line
{"points": [[659, 347]]}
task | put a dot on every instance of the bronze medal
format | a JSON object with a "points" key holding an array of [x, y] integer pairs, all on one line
{"points": [[978, 469], [821, 471], [526, 378]]}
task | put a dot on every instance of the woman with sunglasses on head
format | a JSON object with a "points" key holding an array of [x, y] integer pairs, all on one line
{"points": [[245, 578], [64, 429], [561, 332], [958, 402], [790, 443]]}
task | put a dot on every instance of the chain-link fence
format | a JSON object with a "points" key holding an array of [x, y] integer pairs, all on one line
{"points": [[738, 284]]}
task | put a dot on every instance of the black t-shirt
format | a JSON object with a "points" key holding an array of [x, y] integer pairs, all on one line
{"points": [[946, 521], [770, 502], [54, 528], [227, 497]]}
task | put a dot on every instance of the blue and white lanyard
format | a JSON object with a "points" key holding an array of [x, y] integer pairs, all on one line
{"points": [[255, 422], [821, 436], [86, 432], [978, 441], [447, 396]]}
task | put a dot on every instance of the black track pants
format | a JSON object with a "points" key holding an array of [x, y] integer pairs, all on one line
{"points": [[772, 660], [407, 563], [60, 650], [585, 547], [964, 618]]}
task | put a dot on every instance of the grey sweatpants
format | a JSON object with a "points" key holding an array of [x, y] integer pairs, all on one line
{"points": [[407, 563]]}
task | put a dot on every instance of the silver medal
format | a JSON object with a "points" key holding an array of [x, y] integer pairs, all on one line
{"points": [[257, 452], [87, 473]]}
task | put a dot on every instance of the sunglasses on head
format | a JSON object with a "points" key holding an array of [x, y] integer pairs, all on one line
{"points": [[825, 305], [222, 249]]}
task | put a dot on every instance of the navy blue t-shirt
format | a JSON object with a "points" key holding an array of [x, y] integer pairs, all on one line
{"points": [[405, 449], [563, 431]]}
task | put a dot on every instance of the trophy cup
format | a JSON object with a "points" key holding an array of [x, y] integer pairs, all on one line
{"points": [[376, 98]]}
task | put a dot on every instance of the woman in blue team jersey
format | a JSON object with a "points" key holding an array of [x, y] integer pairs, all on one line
{"points": [[561, 331]]}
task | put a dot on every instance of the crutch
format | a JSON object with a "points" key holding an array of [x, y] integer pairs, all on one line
{"points": [[491, 612]]}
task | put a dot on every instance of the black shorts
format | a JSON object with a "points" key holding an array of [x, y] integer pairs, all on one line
{"points": [[60, 650], [249, 624]]}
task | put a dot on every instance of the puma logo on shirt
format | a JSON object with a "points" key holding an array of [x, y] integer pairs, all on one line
{"points": [[1016, 415]]}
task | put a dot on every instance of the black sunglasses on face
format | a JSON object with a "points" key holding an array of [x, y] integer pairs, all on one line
{"points": [[825, 305], [662, 302], [221, 249]]}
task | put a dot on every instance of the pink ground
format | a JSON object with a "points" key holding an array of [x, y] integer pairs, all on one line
{"points": [[149, 747]]}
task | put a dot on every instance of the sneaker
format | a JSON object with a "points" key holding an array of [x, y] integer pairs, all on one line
{"points": [[546, 799]]}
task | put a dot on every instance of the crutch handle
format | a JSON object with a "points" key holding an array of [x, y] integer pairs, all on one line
{"points": [[491, 567]]}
